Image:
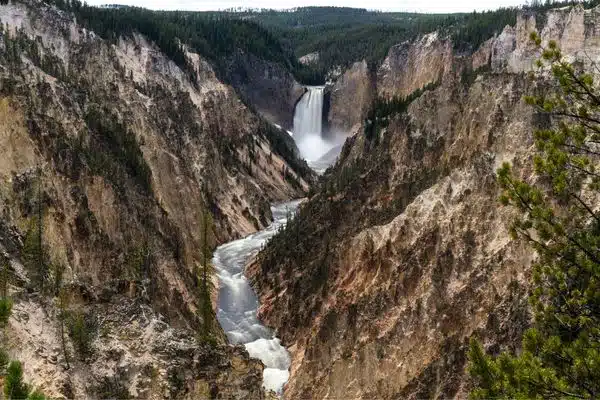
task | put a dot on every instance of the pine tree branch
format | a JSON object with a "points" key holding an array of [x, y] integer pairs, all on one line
{"points": [[574, 116], [575, 78], [548, 250], [585, 206], [583, 149], [553, 389], [526, 204]]}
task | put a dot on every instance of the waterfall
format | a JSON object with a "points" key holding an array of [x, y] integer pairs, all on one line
{"points": [[308, 125], [308, 116]]}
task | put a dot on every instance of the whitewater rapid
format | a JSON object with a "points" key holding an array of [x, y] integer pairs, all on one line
{"points": [[238, 304]]}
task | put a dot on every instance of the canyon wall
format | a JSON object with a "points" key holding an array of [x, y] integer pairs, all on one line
{"points": [[125, 156], [351, 97], [403, 254], [267, 86]]}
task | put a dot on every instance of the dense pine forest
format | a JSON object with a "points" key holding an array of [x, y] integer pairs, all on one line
{"points": [[340, 35]]}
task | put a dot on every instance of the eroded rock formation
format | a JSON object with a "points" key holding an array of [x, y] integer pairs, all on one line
{"points": [[404, 253], [125, 155], [268, 86], [351, 97]]}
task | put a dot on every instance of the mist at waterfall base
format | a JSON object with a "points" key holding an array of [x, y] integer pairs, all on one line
{"points": [[308, 127], [237, 304]]}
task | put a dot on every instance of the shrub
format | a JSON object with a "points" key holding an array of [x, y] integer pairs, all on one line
{"points": [[5, 310], [82, 329], [4, 360]]}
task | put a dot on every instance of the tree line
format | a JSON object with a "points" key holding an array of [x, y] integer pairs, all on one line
{"points": [[340, 35]]}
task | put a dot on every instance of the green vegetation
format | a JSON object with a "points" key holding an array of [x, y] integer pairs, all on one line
{"points": [[82, 328], [14, 387], [285, 147], [340, 35], [19, 43], [213, 36], [4, 360], [36, 395], [33, 252], [5, 310], [204, 273], [560, 357], [5, 302], [136, 262], [383, 110], [120, 149], [343, 35]]}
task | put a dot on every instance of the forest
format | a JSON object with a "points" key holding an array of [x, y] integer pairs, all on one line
{"points": [[340, 35]]}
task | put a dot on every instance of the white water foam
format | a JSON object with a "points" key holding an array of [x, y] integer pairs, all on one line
{"points": [[308, 126], [238, 304]]}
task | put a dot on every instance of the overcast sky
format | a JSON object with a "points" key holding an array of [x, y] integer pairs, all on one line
{"points": [[432, 6]]}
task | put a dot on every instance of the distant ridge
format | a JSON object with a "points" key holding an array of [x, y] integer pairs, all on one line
{"points": [[114, 6]]}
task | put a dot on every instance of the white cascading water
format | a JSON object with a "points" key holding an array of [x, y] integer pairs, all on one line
{"points": [[238, 304], [308, 125], [308, 115]]}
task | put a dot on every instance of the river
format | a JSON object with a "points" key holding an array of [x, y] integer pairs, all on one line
{"points": [[237, 303]]}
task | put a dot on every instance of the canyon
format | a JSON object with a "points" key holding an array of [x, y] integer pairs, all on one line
{"points": [[349, 262], [125, 155], [404, 253]]}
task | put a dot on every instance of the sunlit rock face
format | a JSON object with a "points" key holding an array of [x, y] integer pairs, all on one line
{"points": [[351, 97], [404, 253], [412, 65]]}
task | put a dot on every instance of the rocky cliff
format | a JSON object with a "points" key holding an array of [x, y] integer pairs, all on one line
{"points": [[116, 157], [267, 86], [404, 253], [351, 96]]}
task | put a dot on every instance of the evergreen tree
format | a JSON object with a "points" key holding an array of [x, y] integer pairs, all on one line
{"points": [[36, 395], [14, 387], [5, 310], [5, 302], [4, 276], [4, 360], [560, 357], [32, 253]]}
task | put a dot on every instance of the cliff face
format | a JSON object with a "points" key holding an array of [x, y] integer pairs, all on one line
{"points": [[351, 96], [125, 156], [268, 86], [412, 65], [409, 66], [404, 253]]}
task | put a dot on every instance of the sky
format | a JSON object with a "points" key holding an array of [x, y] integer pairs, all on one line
{"points": [[429, 6]]}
